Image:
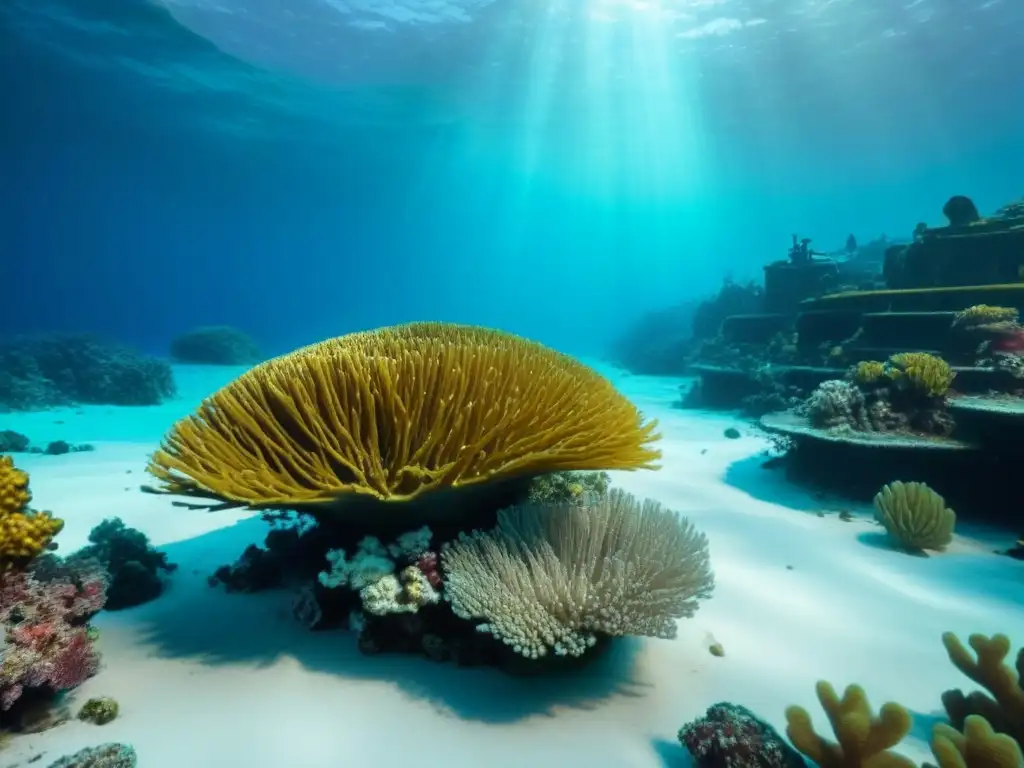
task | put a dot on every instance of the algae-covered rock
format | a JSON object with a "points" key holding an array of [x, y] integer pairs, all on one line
{"points": [[99, 711]]}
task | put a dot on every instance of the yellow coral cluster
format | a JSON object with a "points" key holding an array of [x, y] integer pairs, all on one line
{"points": [[23, 532], [868, 372], [926, 373], [864, 740], [984, 314]]}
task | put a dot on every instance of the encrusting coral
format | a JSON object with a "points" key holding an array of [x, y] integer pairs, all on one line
{"points": [[551, 577], [862, 740], [24, 533], [1003, 706], [984, 314], [43, 621], [915, 516], [104, 756], [731, 736], [394, 413]]}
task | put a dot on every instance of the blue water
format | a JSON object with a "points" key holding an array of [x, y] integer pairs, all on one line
{"points": [[301, 169], [307, 168]]}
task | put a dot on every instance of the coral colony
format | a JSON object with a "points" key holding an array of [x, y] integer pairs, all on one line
{"points": [[440, 489], [421, 506], [46, 603]]}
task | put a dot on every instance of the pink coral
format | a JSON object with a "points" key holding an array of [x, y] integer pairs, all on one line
{"points": [[43, 618], [428, 565]]}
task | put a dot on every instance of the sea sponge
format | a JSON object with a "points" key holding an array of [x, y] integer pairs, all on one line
{"points": [[927, 374], [915, 516], [868, 372], [394, 413], [863, 739], [24, 533], [984, 314]]}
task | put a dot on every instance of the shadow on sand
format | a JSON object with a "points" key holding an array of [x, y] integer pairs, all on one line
{"points": [[770, 485], [197, 622], [671, 754]]}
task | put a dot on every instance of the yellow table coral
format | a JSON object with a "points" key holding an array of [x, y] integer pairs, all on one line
{"points": [[24, 533], [398, 412]]}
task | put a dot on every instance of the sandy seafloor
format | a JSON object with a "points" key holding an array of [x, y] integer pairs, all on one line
{"points": [[205, 678]]}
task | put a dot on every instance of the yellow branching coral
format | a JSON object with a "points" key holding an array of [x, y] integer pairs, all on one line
{"points": [[868, 372], [393, 413], [915, 516], [984, 314], [1003, 706], [979, 746], [926, 373], [24, 533], [863, 740]]}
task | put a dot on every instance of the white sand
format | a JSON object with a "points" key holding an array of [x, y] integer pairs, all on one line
{"points": [[210, 679]]}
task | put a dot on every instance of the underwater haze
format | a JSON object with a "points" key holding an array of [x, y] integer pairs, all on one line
{"points": [[303, 169], [511, 383]]}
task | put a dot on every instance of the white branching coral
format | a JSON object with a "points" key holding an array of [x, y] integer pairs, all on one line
{"points": [[550, 578]]}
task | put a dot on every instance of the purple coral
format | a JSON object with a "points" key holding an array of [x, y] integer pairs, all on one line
{"points": [[731, 736], [43, 619]]}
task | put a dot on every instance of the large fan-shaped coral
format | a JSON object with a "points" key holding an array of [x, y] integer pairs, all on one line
{"points": [[393, 413], [551, 577]]}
